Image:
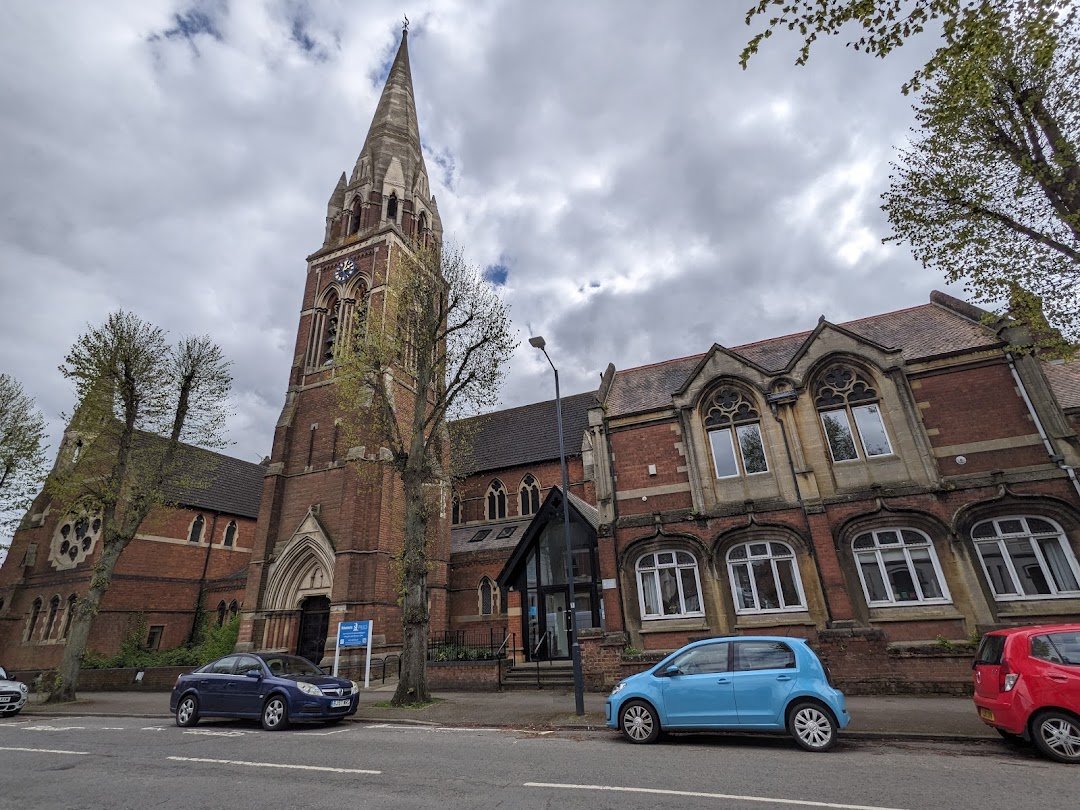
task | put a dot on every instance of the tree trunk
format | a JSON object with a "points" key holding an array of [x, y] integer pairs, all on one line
{"points": [[412, 679], [67, 676]]}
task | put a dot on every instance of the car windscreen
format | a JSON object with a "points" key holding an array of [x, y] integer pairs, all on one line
{"points": [[1057, 648], [990, 650], [3, 674], [288, 665]]}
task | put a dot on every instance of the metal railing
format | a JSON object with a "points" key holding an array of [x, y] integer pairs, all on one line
{"points": [[467, 645], [536, 658]]}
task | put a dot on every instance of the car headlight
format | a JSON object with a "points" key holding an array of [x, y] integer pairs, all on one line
{"points": [[23, 689], [618, 688], [355, 687], [309, 688]]}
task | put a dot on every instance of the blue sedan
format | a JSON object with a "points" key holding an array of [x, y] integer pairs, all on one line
{"points": [[272, 687], [752, 683]]}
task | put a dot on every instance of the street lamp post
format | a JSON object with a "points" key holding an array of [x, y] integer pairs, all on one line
{"points": [[537, 342]]}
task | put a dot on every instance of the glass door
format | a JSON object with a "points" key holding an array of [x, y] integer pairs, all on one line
{"points": [[557, 620]]}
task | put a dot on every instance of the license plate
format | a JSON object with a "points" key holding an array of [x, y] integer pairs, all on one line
{"points": [[337, 704], [5, 699], [986, 714]]}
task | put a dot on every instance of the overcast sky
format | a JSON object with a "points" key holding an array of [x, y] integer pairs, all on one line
{"points": [[645, 196]]}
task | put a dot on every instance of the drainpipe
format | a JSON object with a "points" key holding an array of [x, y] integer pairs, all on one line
{"points": [[1055, 457], [774, 400]]}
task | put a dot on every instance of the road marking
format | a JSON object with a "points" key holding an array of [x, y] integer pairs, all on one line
{"points": [[273, 765], [701, 795], [44, 750], [113, 728], [319, 733], [54, 728], [152, 728], [219, 733]]}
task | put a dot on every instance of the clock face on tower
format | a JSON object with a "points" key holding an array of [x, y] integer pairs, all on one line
{"points": [[344, 270]]}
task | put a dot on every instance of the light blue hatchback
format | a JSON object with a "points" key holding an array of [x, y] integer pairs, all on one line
{"points": [[753, 683]]}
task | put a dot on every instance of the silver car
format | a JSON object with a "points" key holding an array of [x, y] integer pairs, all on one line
{"points": [[12, 695]]}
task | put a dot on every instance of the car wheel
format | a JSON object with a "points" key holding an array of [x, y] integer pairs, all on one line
{"points": [[187, 711], [812, 726], [639, 722], [1057, 735], [275, 714]]}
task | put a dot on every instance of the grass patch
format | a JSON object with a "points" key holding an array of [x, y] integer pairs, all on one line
{"points": [[386, 704]]}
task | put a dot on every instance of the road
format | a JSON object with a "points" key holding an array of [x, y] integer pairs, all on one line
{"points": [[85, 763]]}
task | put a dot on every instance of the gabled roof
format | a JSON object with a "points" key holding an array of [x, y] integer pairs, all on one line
{"points": [[944, 326], [551, 509], [1064, 379], [461, 537], [522, 435]]}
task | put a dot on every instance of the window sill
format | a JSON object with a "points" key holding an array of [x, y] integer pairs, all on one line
{"points": [[1043, 606], [907, 613], [751, 620], [674, 624]]}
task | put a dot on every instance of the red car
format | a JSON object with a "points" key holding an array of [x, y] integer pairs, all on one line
{"points": [[1027, 685]]}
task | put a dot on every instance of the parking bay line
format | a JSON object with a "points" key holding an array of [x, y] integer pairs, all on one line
{"points": [[43, 750], [702, 795], [275, 765]]}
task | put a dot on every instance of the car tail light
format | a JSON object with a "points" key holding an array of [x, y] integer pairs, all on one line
{"points": [[1006, 677]]}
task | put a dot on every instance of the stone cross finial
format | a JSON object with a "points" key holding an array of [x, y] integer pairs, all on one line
{"points": [[405, 25]]}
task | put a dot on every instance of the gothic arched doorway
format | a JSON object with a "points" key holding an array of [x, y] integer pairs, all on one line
{"points": [[314, 624]]}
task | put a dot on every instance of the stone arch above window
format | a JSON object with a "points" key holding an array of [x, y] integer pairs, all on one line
{"points": [[764, 577], [234, 608], [496, 500], [899, 566], [488, 596], [529, 495], [669, 584], [196, 530], [1026, 557], [50, 618], [229, 538], [733, 423], [850, 413]]}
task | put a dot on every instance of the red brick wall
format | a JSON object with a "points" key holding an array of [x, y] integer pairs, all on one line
{"points": [[633, 450]]}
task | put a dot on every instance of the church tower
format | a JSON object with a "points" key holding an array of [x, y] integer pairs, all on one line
{"points": [[332, 518]]}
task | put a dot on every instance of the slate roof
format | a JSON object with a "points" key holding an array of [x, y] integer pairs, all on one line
{"points": [[461, 536], [224, 484], [944, 326], [1064, 379], [523, 435]]}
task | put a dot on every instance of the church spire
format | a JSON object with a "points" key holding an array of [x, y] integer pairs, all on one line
{"points": [[389, 183]]}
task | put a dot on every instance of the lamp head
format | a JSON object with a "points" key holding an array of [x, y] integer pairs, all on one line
{"points": [[537, 342]]}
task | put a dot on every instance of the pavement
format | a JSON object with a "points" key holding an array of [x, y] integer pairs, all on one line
{"points": [[880, 717]]}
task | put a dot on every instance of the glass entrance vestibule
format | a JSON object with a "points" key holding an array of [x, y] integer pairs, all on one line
{"points": [[538, 570]]}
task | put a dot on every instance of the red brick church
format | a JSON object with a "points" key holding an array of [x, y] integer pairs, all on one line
{"points": [[878, 486]]}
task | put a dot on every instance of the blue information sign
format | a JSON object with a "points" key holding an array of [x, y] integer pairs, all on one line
{"points": [[354, 634]]}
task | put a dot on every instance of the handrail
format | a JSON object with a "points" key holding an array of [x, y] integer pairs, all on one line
{"points": [[537, 660], [508, 637]]}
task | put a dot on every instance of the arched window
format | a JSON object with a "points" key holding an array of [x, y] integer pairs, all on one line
{"points": [[669, 585], [356, 216], [455, 517], [1026, 557], [844, 397], [489, 597], [196, 529], [233, 609], [230, 534], [734, 427], [50, 619], [898, 566], [529, 496], [391, 207], [764, 578], [31, 622], [421, 224], [496, 500], [221, 613], [330, 330], [69, 615]]}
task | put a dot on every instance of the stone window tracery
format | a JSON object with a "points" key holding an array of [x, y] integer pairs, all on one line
{"points": [[69, 615], [50, 619], [850, 414], [734, 428], [230, 534], [489, 597], [496, 500], [74, 540], [195, 535], [32, 620], [529, 495]]}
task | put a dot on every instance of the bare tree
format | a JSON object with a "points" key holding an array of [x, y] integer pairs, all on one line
{"points": [[438, 350], [139, 399], [22, 452]]}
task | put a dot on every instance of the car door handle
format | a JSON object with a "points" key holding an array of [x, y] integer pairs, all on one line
{"points": [[723, 680], [783, 677], [1058, 678]]}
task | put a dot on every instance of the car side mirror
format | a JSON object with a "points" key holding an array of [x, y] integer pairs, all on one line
{"points": [[254, 673], [673, 670]]}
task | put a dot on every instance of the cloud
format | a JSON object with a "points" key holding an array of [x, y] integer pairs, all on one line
{"points": [[635, 193]]}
